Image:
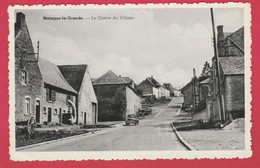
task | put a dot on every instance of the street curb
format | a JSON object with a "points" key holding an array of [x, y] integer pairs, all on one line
{"points": [[182, 140], [53, 141]]}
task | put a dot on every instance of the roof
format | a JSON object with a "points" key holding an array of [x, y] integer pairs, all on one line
{"points": [[154, 82], [205, 81], [73, 74], [232, 65], [109, 78], [127, 79], [169, 87], [237, 37], [51, 75]]}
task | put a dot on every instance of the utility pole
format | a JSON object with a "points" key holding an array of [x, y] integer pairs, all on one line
{"points": [[38, 50], [216, 58], [195, 88]]}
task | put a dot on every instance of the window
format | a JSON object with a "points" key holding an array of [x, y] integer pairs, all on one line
{"points": [[55, 111], [24, 77], [50, 95], [44, 110], [27, 105], [69, 97]]}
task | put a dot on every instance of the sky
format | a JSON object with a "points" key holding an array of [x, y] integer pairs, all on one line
{"points": [[164, 43]]}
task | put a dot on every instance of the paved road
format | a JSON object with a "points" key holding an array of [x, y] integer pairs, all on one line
{"points": [[153, 133]]}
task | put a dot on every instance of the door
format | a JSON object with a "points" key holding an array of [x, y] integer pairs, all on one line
{"points": [[85, 118], [38, 114], [49, 114], [94, 112]]}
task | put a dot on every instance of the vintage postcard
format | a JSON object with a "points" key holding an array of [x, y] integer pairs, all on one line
{"points": [[148, 81]]}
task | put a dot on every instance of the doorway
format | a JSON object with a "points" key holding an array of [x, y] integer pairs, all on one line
{"points": [[60, 116], [94, 112], [85, 118], [38, 113], [49, 114]]}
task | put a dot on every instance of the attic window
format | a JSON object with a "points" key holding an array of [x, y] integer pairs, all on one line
{"points": [[24, 77]]}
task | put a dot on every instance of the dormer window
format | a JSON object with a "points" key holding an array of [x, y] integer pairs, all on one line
{"points": [[24, 77]]}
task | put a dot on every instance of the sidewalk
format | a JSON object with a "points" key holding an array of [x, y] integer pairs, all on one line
{"points": [[232, 137]]}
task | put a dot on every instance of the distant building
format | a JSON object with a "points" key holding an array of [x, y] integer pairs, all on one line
{"points": [[188, 94], [40, 89], [204, 89], [169, 87], [86, 102], [150, 87], [116, 97]]}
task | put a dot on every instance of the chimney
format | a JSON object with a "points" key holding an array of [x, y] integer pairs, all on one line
{"points": [[194, 72], [20, 20], [220, 36]]}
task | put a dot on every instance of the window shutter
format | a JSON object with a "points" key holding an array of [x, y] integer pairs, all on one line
{"points": [[53, 92], [47, 94]]}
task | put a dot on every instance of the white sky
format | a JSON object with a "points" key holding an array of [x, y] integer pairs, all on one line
{"points": [[165, 43]]}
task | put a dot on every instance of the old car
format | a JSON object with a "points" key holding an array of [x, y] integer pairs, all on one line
{"points": [[146, 108], [131, 119]]}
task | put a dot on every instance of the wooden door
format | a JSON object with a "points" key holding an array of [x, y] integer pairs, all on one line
{"points": [[94, 112], [38, 113], [49, 114], [85, 118], [60, 116]]}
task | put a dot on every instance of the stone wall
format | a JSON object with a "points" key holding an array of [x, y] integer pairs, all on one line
{"points": [[234, 95], [26, 61], [111, 102]]}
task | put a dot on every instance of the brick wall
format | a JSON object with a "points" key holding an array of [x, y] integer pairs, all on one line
{"points": [[111, 102]]}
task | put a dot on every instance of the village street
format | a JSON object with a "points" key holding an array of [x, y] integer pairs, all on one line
{"points": [[153, 133]]}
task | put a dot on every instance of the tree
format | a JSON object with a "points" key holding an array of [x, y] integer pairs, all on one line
{"points": [[206, 69]]}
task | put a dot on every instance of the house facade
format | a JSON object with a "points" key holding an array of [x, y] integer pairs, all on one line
{"points": [[78, 77], [40, 89], [116, 97]]}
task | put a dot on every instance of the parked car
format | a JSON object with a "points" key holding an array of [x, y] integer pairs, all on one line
{"points": [[131, 119], [146, 108]]}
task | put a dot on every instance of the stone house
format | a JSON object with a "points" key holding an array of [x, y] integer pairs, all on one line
{"points": [[58, 97], [78, 77], [40, 89], [116, 97], [231, 67]]}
